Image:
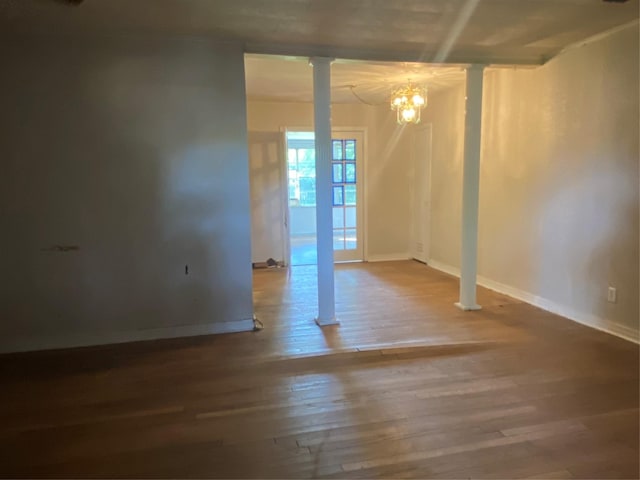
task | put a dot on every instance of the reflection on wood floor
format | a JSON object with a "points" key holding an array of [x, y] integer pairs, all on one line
{"points": [[303, 250], [406, 387]]}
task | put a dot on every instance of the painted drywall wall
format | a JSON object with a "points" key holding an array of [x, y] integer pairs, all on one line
{"points": [[389, 186], [387, 200], [268, 209], [134, 151], [559, 182], [445, 112]]}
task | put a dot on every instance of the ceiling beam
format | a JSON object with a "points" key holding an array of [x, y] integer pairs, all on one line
{"points": [[493, 58]]}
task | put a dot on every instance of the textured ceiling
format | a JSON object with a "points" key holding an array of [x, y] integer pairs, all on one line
{"points": [[290, 79], [456, 31]]}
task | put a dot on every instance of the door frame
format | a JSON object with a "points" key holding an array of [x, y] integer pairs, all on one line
{"points": [[284, 185], [284, 197]]}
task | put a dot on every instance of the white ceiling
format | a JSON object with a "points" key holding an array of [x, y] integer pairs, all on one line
{"points": [[455, 32], [276, 78]]}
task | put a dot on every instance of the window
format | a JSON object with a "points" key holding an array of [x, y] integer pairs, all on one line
{"points": [[302, 169], [345, 197]]}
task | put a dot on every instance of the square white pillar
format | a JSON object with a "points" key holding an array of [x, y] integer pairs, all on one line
{"points": [[324, 204], [471, 188]]}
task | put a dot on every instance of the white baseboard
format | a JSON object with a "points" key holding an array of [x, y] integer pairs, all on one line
{"points": [[588, 320], [388, 257], [27, 344], [444, 267]]}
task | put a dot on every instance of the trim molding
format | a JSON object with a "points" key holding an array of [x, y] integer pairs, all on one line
{"points": [[388, 257], [588, 320], [27, 344], [444, 267]]}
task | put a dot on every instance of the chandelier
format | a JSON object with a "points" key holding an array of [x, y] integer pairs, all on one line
{"points": [[408, 101]]}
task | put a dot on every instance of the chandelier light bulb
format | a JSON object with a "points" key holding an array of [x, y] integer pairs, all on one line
{"points": [[408, 114], [408, 101]]}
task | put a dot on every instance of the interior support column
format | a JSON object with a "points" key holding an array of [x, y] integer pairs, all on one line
{"points": [[471, 188], [324, 214]]}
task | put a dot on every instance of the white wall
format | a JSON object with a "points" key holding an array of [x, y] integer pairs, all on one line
{"points": [[387, 173], [389, 186], [559, 182], [268, 207], [134, 151], [445, 112], [302, 220]]}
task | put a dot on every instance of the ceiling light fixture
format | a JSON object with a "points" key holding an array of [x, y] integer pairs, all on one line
{"points": [[408, 101]]}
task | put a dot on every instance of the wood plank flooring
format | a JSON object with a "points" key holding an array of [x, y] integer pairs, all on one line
{"points": [[407, 386]]}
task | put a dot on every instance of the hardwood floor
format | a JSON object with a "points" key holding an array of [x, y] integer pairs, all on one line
{"points": [[407, 386]]}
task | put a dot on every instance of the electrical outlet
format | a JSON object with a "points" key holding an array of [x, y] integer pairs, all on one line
{"points": [[612, 295]]}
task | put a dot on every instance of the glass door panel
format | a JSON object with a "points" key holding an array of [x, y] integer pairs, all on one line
{"points": [[347, 196]]}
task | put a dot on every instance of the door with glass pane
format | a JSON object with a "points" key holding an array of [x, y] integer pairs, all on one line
{"points": [[347, 195]]}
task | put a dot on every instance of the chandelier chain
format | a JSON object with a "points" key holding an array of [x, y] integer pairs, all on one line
{"points": [[362, 100]]}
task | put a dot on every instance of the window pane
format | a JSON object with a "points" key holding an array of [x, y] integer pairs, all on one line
{"points": [[337, 150], [292, 156], [293, 195], [350, 149], [338, 217], [307, 191], [338, 239], [337, 173], [350, 172], [307, 162], [294, 188], [349, 194], [351, 239], [338, 196], [350, 217]]}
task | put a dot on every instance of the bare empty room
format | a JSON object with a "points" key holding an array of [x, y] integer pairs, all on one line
{"points": [[319, 239]]}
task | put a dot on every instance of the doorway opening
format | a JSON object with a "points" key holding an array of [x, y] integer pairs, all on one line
{"points": [[301, 198], [347, 196]]}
